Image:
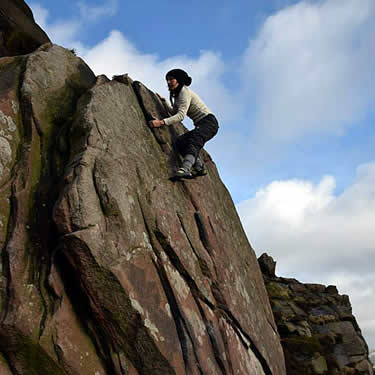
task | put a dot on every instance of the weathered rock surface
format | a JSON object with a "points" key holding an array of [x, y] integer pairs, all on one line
{"points": [[318, 332], [19, 34], [107, 267], [38, 95], [186, 294]]}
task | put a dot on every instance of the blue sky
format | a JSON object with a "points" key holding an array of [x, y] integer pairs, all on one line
{"points": [[293, 86]]}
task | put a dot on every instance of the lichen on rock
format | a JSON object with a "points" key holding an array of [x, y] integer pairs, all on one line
{"points": [[5, 154]]}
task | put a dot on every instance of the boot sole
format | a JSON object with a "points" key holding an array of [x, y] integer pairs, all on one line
{"points": [[179, 178], [199, 174]]}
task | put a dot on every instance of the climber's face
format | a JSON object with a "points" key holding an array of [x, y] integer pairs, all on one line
{"points": [[172, 83]]}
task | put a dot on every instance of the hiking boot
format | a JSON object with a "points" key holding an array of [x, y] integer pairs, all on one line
{"points": [[201, 171], [183, 173]]}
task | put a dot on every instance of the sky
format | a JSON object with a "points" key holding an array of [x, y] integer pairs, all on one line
{"points": [[292, 84]]}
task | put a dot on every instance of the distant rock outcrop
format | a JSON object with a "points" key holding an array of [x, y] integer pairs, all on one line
{"points": [[107, 267], [19, 34], [318, 332]]}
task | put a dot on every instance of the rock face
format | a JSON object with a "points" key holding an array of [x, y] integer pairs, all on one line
{"points": [[107, 267], [38, 95], [318, 331], [19, 34]]}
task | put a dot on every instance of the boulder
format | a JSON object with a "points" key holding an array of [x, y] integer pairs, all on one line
{"points": [[183, 278], [108, 267]]}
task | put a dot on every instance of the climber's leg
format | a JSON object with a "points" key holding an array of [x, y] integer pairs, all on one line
{"points": [[206, 129], [190, 144], [199, 169], [185, 170]]}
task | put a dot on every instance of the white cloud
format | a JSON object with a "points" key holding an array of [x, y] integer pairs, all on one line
{"points": [[117, 55], [316, 236], [64, 33], [93, 13], [309, 70], [67, 32], [312, 68], [301, 215], [61, 32], [293, 201]]}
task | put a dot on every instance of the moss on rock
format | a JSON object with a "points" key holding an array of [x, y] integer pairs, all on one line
{"points": [[277, 290], [26, 356], [319, 365], [303, 344]]}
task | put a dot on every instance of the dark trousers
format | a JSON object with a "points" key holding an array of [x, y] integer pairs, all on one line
{"points": [[192, 141]]}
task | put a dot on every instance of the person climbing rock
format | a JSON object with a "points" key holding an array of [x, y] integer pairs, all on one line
{"points": [[185, 102]]}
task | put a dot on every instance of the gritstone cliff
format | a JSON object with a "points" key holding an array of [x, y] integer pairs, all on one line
{"points": [[107, 267]]}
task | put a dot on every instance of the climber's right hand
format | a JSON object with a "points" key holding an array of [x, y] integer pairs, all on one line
{"points": [[156, 123]]}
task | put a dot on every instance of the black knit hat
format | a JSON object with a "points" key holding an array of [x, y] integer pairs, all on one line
{"points": [[180, 75]]}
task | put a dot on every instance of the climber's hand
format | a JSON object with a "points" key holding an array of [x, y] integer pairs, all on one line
{"points": [[156, 123]]}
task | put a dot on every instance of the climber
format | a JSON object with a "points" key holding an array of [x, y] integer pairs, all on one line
{"points": [[186, 102]]}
